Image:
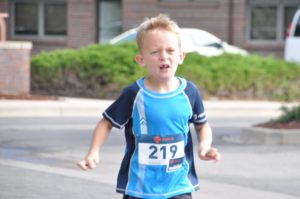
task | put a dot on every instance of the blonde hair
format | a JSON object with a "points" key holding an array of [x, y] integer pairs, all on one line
{"points": [[161, 22]]}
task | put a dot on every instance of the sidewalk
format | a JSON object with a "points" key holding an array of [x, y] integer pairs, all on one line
{"points": [[66, 106], [82, 107], [61, 107]]}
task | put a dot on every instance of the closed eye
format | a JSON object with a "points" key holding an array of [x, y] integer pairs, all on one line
{"points": [[171, 51], [154, 52]]}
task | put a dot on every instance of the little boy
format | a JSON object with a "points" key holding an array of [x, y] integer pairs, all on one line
{"points": [[156, 111]]}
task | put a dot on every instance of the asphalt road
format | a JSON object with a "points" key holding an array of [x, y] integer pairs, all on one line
{"points": [[38, 156]]}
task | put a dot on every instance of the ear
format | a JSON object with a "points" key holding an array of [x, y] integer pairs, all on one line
{"points": [[139, 60], [181, 57]]}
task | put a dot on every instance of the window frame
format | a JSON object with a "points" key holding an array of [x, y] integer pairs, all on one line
{"points": [[41, 20], [280, 6]]}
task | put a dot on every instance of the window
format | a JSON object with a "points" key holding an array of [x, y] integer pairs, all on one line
{"points": [[39, 18], [263, 22], [268, 20], [110, 19], [55, 21], [26, 23]]}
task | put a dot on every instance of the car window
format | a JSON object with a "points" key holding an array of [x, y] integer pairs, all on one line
{"points": [[126, 38], [130, 37], [215, 45], [297, 28]]}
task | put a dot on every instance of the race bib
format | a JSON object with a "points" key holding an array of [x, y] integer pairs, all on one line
{"points": [[155, 150]]}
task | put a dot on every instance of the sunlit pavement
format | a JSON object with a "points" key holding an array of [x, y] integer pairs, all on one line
{"points": [[40, 146]]}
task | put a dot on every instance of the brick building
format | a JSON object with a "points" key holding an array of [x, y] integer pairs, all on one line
{"points": [[256, 25]]}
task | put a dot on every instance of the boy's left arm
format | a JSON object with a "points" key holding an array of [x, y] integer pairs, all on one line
{"points": [[205, 151]]}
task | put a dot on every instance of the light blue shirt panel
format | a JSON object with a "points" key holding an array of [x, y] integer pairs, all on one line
{"points": [[167, 116], [163, 114]]}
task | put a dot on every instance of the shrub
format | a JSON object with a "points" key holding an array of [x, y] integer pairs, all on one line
{"points": [[289, 114], [103, 70], [92, 71], [232, 75]]}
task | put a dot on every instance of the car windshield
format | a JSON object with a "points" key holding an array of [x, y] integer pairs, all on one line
{"points": [[130, 37]]}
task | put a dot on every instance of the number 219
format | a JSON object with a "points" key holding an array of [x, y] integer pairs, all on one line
{"points": [[163, 150]]}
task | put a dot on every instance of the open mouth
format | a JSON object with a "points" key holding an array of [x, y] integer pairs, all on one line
{"points": [[164, 66]]}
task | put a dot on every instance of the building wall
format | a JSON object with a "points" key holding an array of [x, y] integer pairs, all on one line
{"points": [[214, 16], [81, 28], [15, 68], [227, 19], [238, 23], [82, 23]]}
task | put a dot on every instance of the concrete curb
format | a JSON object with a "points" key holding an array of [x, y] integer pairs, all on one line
{"points": [[60, 107], [259, 135]]}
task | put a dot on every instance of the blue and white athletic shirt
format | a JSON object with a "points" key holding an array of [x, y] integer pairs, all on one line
{"points": [[158, 161]]}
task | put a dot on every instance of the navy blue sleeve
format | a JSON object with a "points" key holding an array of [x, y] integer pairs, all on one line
{"points": [[199, 115], [119, 112]]}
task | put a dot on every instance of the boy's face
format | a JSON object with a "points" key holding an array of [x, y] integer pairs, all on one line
{"points": [[160, 54]]}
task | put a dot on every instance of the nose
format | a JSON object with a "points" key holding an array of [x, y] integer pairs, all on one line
{"points": [[163, 55]]}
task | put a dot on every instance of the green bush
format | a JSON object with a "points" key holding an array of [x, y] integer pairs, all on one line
{"points": [[244, 76], [103, 70], [289, 114], [93, 71]]}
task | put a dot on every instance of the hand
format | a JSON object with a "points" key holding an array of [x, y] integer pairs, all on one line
{"points": [[209, 154], [90, 162]]}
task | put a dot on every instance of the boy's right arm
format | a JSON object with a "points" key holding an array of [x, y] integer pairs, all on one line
{"points": [[100, 134]]}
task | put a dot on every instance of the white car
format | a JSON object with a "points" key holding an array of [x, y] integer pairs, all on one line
{"points": [[292, 42], [193, 40]]}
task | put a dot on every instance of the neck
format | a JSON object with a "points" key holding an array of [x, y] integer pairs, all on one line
{"points": [[161, 86]]}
